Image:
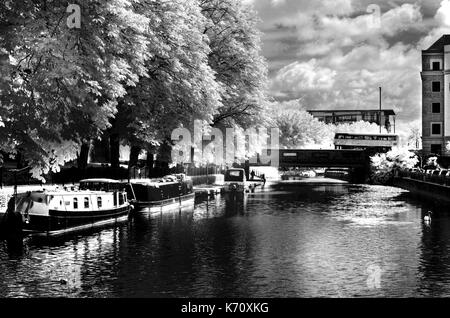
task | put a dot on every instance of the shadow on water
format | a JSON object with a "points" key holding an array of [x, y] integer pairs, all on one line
{"points": [[14, 247]]}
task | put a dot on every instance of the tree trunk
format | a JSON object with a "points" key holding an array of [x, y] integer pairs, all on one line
{"points": [[134, 158], [114, 144], [150, 163], [165, 157], [83, 157]]}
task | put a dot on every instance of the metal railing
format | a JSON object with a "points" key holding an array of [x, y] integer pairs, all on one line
{"points": [[426, 177]]}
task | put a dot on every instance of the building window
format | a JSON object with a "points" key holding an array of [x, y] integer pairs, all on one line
{"points": [[75, 203], [436, 87], [436, 149], [99, 202], [436, 108], [436, 66], [86, 203], [436, 129]]}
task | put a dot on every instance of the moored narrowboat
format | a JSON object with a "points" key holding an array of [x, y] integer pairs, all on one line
{"points": [[61, 211], [158, 195]]}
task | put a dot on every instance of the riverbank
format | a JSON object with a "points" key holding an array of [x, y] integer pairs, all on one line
{"points": [[426, 189]]}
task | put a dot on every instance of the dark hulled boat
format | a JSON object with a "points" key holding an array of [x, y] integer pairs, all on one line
{"points": [[158, 195]]}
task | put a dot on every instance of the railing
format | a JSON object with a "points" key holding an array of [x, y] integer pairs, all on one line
{"points": [[422, 176]]}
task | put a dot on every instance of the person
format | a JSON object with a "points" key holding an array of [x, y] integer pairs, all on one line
{"points": [[263, 177], [252, 174]]}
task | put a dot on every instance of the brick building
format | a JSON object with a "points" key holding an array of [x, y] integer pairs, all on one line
{"points": [[436, 97]]}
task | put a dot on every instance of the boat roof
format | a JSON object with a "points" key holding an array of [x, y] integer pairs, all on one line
{"points": [[101, 180], [151, 182], [64, 192], [235, 169]]}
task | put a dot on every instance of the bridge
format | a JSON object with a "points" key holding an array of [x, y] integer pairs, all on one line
{"points": [[357, 161], [315, 158]]}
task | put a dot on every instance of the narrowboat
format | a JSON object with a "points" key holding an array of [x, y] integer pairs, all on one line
{"points": [[60, 211], [159, 195]]}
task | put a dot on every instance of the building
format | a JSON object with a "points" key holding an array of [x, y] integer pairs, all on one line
{"points": [[351, 116], [436, 97], [369, 142]]}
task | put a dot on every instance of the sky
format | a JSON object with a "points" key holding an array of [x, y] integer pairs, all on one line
{"points": [[334, 54]]}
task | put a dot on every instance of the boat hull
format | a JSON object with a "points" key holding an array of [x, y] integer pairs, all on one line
{"points": [[184, 201], [58, 223]]}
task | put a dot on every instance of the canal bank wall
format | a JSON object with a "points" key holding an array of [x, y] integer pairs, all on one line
{"points": [[425, 189]]}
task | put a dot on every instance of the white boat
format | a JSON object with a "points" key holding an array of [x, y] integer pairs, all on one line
{"points": [[60, 211], [236, 181]]}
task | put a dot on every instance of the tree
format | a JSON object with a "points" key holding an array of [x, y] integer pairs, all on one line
{"points": [[415, 138], [61, 85], [360, 127], [385, 165], [299, 129], [181, 86], [235, 56]]}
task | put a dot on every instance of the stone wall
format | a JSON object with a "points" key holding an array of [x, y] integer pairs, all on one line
{"points": [[431, 190]]}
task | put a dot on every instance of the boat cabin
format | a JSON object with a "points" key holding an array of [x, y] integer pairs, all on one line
{"points": [[41, 202], [235, 175], [102, 185]]}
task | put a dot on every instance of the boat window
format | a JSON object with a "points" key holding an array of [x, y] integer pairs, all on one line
{"points": [[121, 201], [75, 203], [234, 175], [115, 198], [86, 202], [99, 202]]}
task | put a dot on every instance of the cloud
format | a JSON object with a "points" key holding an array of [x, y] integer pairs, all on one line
{"points": [[303, 77], [335, 54], [443, 14]]}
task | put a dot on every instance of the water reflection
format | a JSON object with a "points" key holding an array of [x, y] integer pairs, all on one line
{"points": [[285, 242], [434, 265]]}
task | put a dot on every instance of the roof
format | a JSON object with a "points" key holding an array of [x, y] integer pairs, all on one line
{"points": [[368, 135], [101, 180], [438, 46], [336, 111]]}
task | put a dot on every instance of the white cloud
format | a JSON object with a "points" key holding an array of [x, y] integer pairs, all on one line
{"points": [[443, 14], [333, 54], [302, 77]]}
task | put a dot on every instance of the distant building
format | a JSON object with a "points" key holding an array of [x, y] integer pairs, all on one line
{"points": [[351, 116], [436, 96], [373, 143]]}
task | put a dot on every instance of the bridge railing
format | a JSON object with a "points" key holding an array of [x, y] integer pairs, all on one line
{"points": [[318, 157]]}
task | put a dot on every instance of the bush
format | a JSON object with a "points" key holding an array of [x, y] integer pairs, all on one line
{"points": [[385, 165]]}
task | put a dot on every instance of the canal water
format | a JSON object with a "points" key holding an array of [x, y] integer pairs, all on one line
{"points": [[308, 241]]}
